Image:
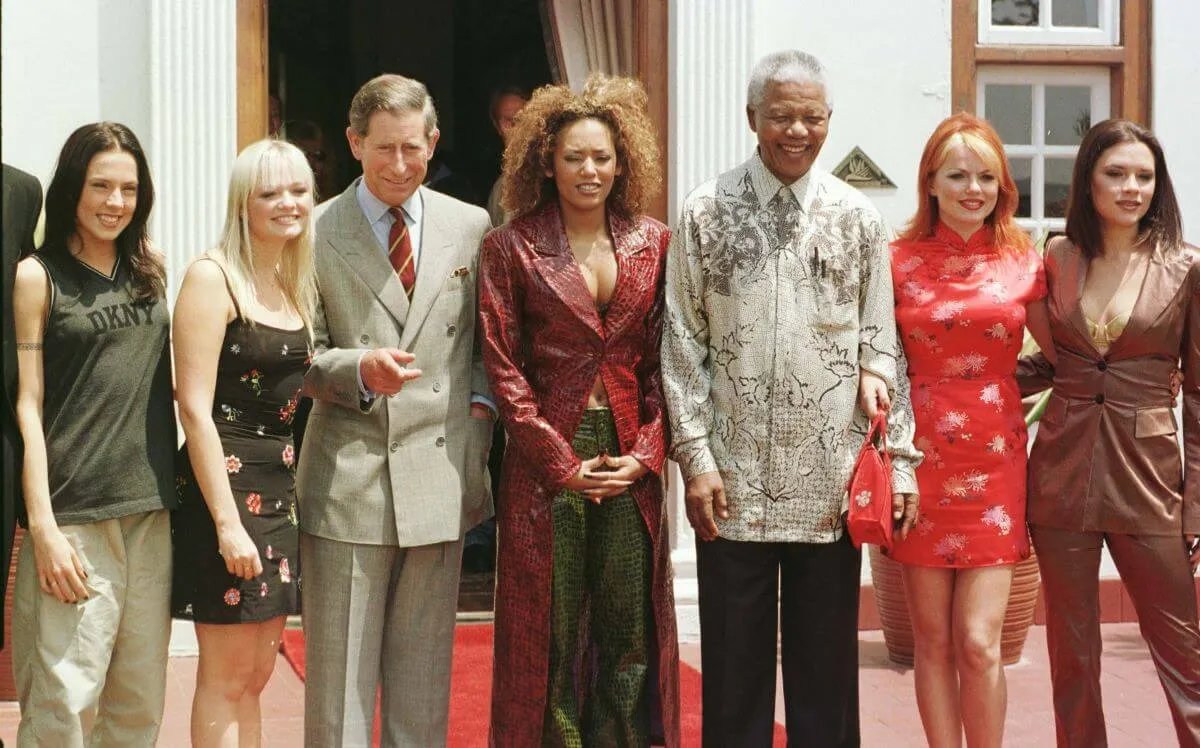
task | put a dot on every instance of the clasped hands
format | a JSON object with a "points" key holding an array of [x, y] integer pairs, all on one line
{"points": [[605, 476]]}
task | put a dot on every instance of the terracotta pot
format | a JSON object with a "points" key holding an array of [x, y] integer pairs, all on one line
{"points": [[888, 584], [8, 689]]}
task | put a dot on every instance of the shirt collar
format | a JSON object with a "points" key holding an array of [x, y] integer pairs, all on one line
{"points": [[375, 209], [767, 185]]}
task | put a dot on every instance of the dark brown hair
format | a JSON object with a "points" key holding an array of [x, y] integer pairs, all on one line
{"points": [[620, 103], [66, 187], [1161, 224]]}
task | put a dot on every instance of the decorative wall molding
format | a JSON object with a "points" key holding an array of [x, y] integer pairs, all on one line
{"points": [[193, 131], [858, 170]]}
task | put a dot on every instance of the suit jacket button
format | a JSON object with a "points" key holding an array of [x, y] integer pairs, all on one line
{"points": [[1099, 399], [437, 386], [451, 329], [394, 446], [1102, 365], [440, 441], [365, 339]]}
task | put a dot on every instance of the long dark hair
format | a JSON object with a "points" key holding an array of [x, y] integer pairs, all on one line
{"points": [[66, 186], [1161, 224]]}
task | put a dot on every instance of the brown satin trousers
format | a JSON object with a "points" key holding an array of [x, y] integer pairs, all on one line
{"points": [[1159, 580]]}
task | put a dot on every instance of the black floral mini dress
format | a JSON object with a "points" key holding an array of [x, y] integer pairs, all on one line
{"points": [[258, 383]]}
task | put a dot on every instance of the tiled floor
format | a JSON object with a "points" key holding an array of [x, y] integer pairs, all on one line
{"points": [[1134, 702]]}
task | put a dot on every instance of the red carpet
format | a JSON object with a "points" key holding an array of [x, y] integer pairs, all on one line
{"points": [[471, 688]]}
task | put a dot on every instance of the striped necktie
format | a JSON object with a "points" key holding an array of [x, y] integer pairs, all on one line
{"points": [[400, 252]]}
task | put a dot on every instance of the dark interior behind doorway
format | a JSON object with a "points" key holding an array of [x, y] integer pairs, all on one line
{"points": [[321, 51]]}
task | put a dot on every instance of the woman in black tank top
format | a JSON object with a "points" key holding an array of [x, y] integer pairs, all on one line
{"points": [[243, 327], [94, 408]]}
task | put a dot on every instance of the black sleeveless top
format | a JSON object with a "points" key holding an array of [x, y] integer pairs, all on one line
{"points": [[107, 407]]}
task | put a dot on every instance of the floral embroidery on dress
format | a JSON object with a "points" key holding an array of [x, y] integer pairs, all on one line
{"points": [[233, 464], [231, 413], [233, 596], [253, 380], [997, 516], [254, 502], [285, 571], [288, 412], [950, 547], [946, 311], [289, 456], [262, 590], [284, 350], [270, 553], [235, 349], [967, 485], [968, 364], [990, 394], [998, 445]]}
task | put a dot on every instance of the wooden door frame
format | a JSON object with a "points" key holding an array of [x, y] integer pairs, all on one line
{"points": [[650, 52]]}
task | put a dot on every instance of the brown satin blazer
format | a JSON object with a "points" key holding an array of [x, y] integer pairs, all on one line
{"points": [[1106, 457]]}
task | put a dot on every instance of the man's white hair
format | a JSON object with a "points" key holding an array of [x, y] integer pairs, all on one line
{"points": [[788, 66]]}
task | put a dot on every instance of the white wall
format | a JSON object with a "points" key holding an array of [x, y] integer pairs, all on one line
{"points": [[49, 77], [1175, 105], [64, 63]]}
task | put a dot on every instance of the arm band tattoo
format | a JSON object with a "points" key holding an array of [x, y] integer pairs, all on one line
{"points": [[29, 346]]}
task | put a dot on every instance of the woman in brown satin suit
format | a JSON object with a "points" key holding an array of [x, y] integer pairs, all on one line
{"points": [[570, 309], [1124, 310]]}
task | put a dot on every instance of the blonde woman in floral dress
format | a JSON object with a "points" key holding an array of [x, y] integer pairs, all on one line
{"points": [[242, 332], [966, 283]]}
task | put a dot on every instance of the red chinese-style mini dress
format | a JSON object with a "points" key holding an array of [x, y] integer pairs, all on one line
{"points": [[960, 312]]}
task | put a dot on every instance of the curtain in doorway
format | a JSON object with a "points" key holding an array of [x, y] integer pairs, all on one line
{"points": [[587, 36]]}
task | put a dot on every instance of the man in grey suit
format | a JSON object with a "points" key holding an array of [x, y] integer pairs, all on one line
{"points": [[393, 470]]}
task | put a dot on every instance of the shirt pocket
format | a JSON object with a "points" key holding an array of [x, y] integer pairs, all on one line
{"points": [[1150, 422], [836, 277]]}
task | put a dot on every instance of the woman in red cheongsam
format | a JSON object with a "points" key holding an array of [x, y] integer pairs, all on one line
{"points": [[966, 284], [570, 309]]}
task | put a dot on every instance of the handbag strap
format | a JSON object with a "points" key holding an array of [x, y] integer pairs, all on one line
{"points": [[879, 425]]}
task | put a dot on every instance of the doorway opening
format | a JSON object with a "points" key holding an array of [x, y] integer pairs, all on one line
{"points": [[319, 52]]}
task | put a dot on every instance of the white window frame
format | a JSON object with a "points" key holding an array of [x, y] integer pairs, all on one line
{"points": [[1045, 33], [1098, 79]]}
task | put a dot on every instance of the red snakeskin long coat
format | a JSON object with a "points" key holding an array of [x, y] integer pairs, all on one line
{"points": [[543, 345]]}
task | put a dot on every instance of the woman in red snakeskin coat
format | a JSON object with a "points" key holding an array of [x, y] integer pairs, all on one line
{"points": [[571, 304]]}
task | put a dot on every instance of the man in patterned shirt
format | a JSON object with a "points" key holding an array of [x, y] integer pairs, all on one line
{"points": [[779, 324]]}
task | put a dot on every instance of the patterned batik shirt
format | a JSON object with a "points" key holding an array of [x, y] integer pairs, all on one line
{"points": [[777, 295]]}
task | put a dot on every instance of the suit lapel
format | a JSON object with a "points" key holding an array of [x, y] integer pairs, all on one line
{"points": [[356, 243], [1069, 293], [629, 241], [433, 265], [1159, 289], [557, 267]]}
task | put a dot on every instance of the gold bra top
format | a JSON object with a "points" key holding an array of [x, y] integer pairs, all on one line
{"points": [[1105, 335]]}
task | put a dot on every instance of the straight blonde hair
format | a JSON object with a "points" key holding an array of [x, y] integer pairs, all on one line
{"points": [[269, 161]]}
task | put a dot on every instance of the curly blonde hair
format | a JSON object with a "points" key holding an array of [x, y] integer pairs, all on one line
{"points": [[620, 103]]}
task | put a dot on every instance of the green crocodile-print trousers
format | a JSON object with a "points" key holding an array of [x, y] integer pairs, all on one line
{"points": [[601, 557]]}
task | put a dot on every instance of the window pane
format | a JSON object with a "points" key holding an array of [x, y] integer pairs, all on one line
{"points": [[1010, 110], [1084, 13], [1015, 12], [1058, 186], [1022, 171], [1068, 114]]}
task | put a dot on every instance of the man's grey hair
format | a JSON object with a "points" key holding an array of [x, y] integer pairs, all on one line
{"points": [[395, 94], [788, 66]]}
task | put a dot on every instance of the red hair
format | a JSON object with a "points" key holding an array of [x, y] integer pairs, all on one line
{"points": [[979, 137]]}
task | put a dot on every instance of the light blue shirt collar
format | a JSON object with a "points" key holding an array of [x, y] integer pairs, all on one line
{"points": [[380, 220]]}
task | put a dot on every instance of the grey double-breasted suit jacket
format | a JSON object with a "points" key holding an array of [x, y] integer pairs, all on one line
{"points": [[410, 469]]}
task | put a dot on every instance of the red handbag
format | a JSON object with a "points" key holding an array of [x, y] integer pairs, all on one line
{"points": [[870, 517]]}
